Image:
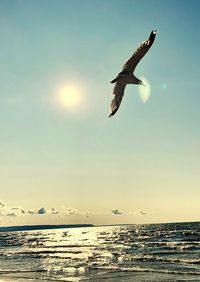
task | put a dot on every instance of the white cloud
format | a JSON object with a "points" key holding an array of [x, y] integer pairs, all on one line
{"points": [[37, 211], [117, 212], [54, 211], [32, 211], [7, 213], [63, 211], [142, 212], [18, 210], [10, 211], [129, 213], [73, 211], [2, 204], [42, 211]]}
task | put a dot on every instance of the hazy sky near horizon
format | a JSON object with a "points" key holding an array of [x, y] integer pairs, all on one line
{"points": [[67, 154]]}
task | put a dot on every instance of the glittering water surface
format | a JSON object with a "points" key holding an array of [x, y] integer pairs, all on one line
{"points": [[162, 252]]}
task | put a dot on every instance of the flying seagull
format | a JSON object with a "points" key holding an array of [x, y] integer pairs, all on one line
{"points": [[126, 76]]}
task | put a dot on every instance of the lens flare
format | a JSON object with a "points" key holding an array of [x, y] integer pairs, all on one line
{"points": [[164, 86], [144, 91]]}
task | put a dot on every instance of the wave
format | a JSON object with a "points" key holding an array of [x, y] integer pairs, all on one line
{"points": [[139, 269], [149, 258], [22, 271]]}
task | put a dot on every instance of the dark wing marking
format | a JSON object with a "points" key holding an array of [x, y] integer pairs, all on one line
{"points": [[118, 93], [131, 64]]}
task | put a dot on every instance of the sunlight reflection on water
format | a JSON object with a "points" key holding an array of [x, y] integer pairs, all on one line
{"points": [[98, 252]]}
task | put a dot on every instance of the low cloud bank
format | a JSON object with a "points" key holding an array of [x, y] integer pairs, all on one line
{"points": [[19, 211]]}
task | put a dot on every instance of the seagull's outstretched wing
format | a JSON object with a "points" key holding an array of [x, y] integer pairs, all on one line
{"points": [[118, 93], [131, 64]]}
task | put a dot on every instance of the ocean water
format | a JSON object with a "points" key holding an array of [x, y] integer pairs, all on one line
{"points": [[156, 252]]}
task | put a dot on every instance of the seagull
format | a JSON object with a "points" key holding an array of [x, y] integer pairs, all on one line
{"points": [[126, 76]]}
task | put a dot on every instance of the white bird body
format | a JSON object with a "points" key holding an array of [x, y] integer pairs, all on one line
{"points": [[126, 76]]}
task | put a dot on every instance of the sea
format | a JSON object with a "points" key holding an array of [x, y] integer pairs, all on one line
{"points": [[153, 252]]}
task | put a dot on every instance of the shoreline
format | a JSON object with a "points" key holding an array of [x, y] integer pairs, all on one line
{"points": [[84, 225], [121, 276]]}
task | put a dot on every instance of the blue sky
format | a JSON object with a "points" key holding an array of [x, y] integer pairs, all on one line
{"points": [[79, 162]]}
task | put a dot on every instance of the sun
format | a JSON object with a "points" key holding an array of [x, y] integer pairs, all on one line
{"points": [[69, 96]]}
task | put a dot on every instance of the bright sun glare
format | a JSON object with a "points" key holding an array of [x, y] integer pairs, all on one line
{"points": [[69, 96], [145, 91]]}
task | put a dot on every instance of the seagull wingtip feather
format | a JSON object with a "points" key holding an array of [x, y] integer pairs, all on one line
{"points": [[113, 112]]}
